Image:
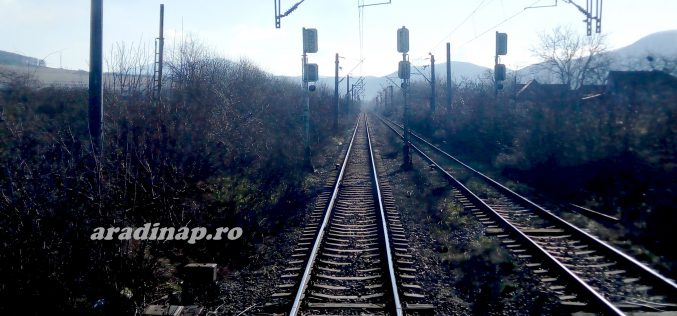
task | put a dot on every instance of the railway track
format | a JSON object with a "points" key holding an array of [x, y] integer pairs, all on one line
{"points": [[585, 272], [353, 257]]}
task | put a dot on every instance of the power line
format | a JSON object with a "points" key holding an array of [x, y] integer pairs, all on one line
{"points": [[462, 23], [360, 11], [358, 64], [497, 25], [373, 4], [421, 73], [360, 8], [456, 28]]}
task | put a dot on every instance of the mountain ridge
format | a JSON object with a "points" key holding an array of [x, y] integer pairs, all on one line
{"points": [[630, 57], [14, 59], [661, 44]]}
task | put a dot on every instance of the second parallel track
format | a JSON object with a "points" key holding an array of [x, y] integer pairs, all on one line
{"points": [[584, 271]]}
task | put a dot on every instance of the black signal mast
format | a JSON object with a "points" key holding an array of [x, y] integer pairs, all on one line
{"points": [[278, 11]]}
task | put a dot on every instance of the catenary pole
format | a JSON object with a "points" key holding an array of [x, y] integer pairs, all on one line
{"points": [[347, 94], [336, 92], [161, 45], [449, 92], [96, 75], [433, 96]]}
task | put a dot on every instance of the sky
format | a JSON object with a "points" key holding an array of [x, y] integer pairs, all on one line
{"points": [[58, 30]]}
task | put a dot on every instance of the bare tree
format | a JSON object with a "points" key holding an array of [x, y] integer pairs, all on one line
{"points": [[574, 59], [128, 71]]}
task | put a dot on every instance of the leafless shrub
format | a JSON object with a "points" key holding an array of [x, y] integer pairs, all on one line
{"points": [[223, 133], [129, 70]]}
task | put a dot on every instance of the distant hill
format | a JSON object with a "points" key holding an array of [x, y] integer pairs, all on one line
{"points": [[459, 71], [373, 84], [661, 43], [631, 57], [11, 63], [18, 64], [12, 59]]}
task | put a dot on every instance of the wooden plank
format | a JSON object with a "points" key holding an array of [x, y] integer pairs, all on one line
{"points": [[536, 231], [349, 278], [419, 306], [347, 297], [346, 305]]}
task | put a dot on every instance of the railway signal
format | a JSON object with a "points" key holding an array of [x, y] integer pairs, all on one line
{"points": [[404, 69], [404, 72], [499, 72], [499, 69], [309, 40], [501, 44], [310, 74], [403, 40]]}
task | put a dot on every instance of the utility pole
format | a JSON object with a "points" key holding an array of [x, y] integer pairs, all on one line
{"points": [[385, 100], [433, 96], [392, 101], [96, 75], [159, 54], [449, 95], [336, 93]]}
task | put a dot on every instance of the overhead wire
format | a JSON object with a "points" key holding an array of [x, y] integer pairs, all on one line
{"points": [[497, 25], [458, 26], [482, 4], [360, 11], [361, 35]]}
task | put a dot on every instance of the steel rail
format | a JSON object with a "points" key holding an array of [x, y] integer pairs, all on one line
{"points": [[597, 298], [593, 213], [316, 246], [659, 279], [389, 257]]}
